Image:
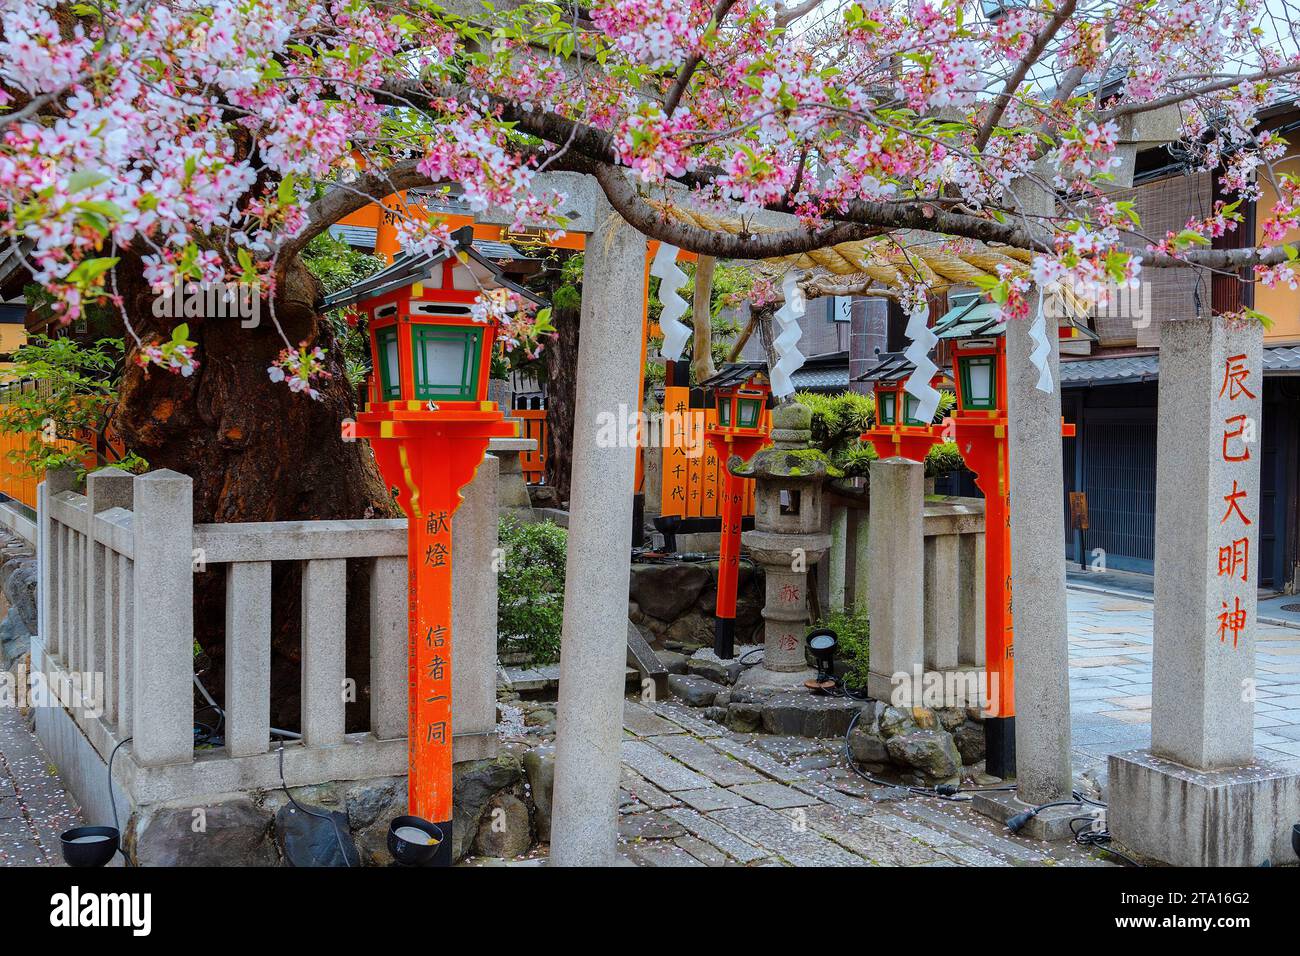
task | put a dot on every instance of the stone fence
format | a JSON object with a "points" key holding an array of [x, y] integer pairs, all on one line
{"points": [[920, 574], [116, 627]]}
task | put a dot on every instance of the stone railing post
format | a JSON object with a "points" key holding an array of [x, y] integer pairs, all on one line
{"points": [[105, 489], [49, 571], [896, 553], [163, 660]]}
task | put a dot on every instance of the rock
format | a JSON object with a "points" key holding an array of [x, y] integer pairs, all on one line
{"points": [[19, 577], [539, 718], [15, 639], [667, 590], [692, 631], [924, 718], [894, 720], [751, 694], [867, 746], [950, 718], [307, 839], [931, 753], [366, 802], [722, 672], [372, 842], [694, 691], [716, 714], [969, 738], [474, 784], [539, 766], [230, 833], [802, 714], [744, 718], [673, 662], [505, 830]]}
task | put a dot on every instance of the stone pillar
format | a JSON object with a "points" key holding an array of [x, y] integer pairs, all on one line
{"points": [[1199, 797], [896, 553], [593, 650], [942, 599], [474, 616], [106, 488], [512, 490], [970, 642], [162, 530], [837, 566], [1042, 668]]}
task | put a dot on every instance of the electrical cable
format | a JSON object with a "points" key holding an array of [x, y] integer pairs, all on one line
{"points": [[1097, 839], [112, 800], [334, 827]]}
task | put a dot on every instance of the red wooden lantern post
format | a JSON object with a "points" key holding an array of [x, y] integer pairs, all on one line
{"points": [[429, 424], [741, 429]]}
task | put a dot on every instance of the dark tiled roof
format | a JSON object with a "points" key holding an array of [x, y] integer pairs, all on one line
{"points": [[734, 373], [891, 367], [1125, 369]]}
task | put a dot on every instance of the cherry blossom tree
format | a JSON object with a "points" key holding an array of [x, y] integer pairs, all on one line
{"points": [[144, 144]]}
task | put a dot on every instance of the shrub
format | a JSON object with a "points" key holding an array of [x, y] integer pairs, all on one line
{"points": [[530, 588], [854, 633], [943, 459]]}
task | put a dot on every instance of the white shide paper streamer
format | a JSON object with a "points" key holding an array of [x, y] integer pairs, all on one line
{"points": [[1041, 356], [676, 333], [786, 343], [918, 353]]}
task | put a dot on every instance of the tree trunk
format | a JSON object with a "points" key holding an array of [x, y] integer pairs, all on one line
{"points": [[561, 357], [702, 321], [256, 452]]}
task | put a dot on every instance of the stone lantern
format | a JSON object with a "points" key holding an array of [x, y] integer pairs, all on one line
{"points": [[787, 539]]}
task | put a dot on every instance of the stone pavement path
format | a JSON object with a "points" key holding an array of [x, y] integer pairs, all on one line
{"points": [[696, 794], [34, 807], [1110, 682]]}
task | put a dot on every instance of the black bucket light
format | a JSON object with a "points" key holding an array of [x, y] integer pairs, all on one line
{"points": [[89, 846], [414, 841]]}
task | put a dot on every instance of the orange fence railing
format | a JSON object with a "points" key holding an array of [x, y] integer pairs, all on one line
{"points": [[533, 463]]}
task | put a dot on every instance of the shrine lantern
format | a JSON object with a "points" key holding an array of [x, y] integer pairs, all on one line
{"points": [[429, 424], [741, 395], [898, 431]]}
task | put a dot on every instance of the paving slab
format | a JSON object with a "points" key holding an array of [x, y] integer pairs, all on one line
{"points": [[722, 768], [872, 841], [712, 798], [643, 722], [797, 844], [735, 846], [662, 771], [774, 795]]}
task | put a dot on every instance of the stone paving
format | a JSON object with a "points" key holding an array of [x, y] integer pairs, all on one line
{"points": [[1110, 681], [34, 807], [729, 799]]}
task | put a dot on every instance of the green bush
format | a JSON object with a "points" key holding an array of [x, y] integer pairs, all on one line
{"points": [[530, 588], [854, 633], [943, 459]]}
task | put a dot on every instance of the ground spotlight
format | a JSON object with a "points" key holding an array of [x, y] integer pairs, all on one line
{"points": [[822, 644], [89, 846]]}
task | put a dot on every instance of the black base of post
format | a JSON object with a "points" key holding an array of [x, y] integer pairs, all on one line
{"points": [[724, 638], [638, 520], [443, 856], [1000, 746]]}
